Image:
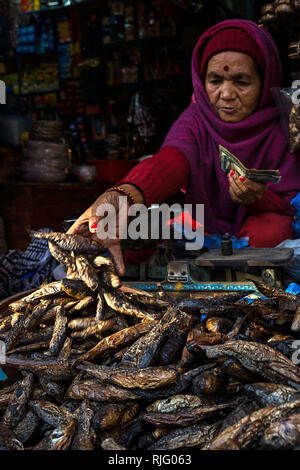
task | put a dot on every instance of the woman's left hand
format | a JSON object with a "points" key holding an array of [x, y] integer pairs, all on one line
{"points": [[244, 191]]}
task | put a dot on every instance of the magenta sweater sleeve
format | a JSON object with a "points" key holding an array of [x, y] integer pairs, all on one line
{"points": [[160, 176]]}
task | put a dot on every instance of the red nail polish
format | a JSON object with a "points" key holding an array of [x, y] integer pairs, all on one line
{"points": [[242, 178], [93, 228]]}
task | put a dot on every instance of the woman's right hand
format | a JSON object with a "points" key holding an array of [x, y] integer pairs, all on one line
{"points": [[86, 224]]}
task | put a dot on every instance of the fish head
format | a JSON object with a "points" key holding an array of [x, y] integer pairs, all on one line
{"points": [[281, 435]]}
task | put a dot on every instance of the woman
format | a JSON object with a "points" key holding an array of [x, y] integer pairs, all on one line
{"points": [[234, 66]]}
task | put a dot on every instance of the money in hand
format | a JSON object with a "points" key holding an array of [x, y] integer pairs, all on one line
{"points": [[230, 162]]}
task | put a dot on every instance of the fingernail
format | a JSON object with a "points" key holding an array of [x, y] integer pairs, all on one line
{"points": [[93, 228], [232, 172], [242, 178]]}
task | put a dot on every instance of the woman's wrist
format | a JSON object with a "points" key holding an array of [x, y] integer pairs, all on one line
{"points": [[136, 194]]}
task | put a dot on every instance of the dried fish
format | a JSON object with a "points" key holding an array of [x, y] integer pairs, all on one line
{"points": [[196, 305], [81, 305], [145, 387], [26, 427], [111, 415], [146, 378], [251, 427], [43, 334], [208, 382], [85, 436], [258, 358], [295, 328], [102, 261], [283, 434], [117, 303], [170, 351], [4, 400], [270, 291], [50, 370], [82, 323], [59, 331], [192, 436], [188, 359], [147, 300], [68, 242], [62, 256], [65, 352], [150, 437], [30, 347], [52, 388], [100, 305], [86, 272], [233, 368], [5, 324], [256, 331], [18, 306], [218, 325], [92, 389], [119, 339], [75, 288], [64, 301], [46, 291], [177, 403], [143, 353], [38, 311], [59, 439], [8, 440], [237, 326], [197, 338], [15, 334], [111, 278], [186, 417], [270, 393], [110, 444], [50, 413], [178, 387], [244, 409], [16, 407], [100, 327], [286, 346]]}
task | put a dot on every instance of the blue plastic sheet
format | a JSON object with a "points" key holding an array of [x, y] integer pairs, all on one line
{"points": [[296, 223], [293, 288], [215, 240], [252, 297], [2, 375]]}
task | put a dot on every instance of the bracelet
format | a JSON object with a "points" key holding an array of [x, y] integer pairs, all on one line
{"points": [[122, 191]]}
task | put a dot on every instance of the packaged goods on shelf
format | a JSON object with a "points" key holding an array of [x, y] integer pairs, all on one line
{"points": [[39, 78], [27, 40]]}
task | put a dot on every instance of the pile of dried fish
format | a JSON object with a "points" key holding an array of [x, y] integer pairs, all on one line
{"points": [[107, 366]]}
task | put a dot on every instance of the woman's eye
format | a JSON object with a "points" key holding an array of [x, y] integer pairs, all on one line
{"points": [[215, 82], [241, 83]]}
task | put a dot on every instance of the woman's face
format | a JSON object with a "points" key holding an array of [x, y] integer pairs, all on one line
{"points": [[233, 85]]}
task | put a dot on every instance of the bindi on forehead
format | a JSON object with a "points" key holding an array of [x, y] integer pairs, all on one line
{"points": [[226, 68]]}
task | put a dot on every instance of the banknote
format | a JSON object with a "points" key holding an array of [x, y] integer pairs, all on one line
{"points": [[230, 162]]}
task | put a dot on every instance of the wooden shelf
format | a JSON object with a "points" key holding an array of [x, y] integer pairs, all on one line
{"points": [[25, 206]]}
